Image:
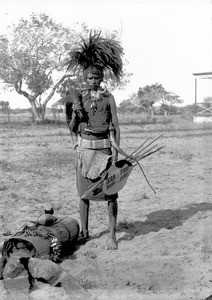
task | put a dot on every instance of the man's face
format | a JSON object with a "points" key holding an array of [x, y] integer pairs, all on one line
{"points": [[93, 80]]}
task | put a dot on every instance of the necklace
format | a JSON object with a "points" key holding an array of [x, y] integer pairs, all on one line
{"points": [[96, 96]]}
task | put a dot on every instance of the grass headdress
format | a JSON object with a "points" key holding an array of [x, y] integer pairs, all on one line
{"points": [[97, 54]]}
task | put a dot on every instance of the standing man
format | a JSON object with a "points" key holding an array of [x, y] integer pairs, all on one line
{"points": [[94, 116]]}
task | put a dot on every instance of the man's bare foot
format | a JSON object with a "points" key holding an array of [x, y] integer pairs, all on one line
{"points": [[83, 238], [111, 244]]}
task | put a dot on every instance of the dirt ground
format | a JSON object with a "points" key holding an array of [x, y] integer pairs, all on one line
{"points": [[164, 239]]}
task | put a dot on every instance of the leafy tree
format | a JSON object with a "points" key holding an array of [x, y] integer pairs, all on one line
{"points": [[4, 105], [169, 101], [32, 57], [148, 95], [127, 106], [188, 111], [155, 93], [207, 101]]}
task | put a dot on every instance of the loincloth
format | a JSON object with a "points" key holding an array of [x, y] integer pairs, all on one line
{"points": [[91, 162]]}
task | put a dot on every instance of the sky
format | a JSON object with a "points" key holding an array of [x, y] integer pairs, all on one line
{"points": [[164, 41]]}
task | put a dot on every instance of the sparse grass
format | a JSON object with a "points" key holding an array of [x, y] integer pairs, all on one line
{"points": [[155, 238]]}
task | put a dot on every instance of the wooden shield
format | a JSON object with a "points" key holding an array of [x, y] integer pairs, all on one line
{"points": [[117, 176], [112, 181]]}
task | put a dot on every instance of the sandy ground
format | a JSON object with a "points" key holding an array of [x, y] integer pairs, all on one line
{"points": [[164, 239]]}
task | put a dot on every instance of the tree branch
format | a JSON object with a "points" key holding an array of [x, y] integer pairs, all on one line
{"points": [[55, 87], [18, 88]]}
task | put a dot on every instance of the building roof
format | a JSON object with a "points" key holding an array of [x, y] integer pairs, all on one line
{"points": [[204, 74]]}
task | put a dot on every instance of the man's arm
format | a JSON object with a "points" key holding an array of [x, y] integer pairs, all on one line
{"points": [[114, 121], [115, 124]]}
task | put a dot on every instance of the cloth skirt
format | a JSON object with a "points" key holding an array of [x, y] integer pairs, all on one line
{"points": [[88, 174]]}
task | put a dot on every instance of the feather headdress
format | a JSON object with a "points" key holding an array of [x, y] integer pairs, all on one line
{"points": [[97, 53]]}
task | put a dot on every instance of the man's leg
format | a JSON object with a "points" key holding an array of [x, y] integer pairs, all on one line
{"points": [[112, 213], [84, 215]]}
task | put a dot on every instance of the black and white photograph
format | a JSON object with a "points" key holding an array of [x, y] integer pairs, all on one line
{"points": [[105, 150]]}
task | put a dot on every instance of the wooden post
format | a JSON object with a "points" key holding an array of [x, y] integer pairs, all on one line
{"points": [[195, 90], [195, 95]]}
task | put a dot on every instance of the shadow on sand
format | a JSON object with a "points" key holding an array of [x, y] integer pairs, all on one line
{"points": [[157, 220]]}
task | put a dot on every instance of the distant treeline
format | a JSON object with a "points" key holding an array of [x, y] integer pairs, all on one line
{"points": [[160, 110], [29, 110]]}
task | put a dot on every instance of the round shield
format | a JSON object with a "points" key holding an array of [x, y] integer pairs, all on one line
{"points": [[117, 176]]}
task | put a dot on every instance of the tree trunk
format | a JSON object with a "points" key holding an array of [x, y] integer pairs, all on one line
{"points": [[151, 111], [8, 115], [38, 109], [43, 112], [38, 112]]}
